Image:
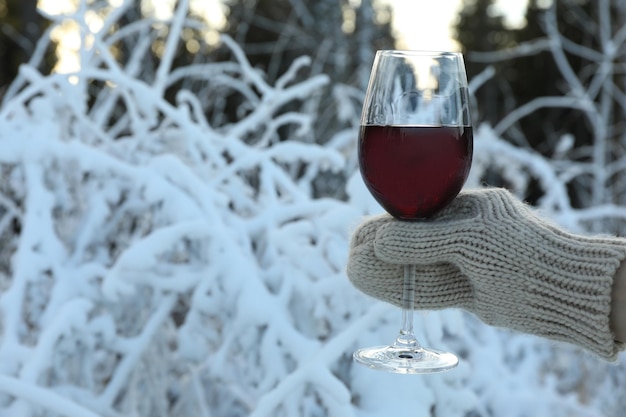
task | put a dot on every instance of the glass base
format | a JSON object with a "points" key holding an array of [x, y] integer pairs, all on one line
{"points": [[405, 359]]}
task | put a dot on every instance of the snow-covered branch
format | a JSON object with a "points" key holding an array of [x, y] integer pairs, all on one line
{"points": [[133, 251]]}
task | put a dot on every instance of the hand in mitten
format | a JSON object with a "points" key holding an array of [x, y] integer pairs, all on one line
{"points": [[490, 254]]}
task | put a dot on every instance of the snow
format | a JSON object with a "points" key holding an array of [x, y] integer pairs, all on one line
{"points": [[170, 265]]}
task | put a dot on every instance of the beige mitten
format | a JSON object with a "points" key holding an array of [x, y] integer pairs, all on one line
{"points": [[490, 254]]}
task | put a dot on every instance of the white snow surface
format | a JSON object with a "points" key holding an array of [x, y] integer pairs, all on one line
{"points": [[164, 266]]}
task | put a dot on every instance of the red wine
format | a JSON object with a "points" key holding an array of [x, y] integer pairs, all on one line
{"points": [[415, 171]]}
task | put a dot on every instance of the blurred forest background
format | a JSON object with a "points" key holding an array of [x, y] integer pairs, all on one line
{"points": [[179, 183], [341, 37]]}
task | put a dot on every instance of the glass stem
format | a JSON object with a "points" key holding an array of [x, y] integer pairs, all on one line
{"points": [[406, 336]]}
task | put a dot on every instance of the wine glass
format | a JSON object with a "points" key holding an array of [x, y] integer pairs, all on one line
{"points": [[415, 152]]}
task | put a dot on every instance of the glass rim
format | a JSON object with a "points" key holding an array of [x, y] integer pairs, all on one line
{"points": [[416, 52]]}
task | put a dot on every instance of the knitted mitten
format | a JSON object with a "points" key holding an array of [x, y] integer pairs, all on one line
{"points": [[490, 254]]}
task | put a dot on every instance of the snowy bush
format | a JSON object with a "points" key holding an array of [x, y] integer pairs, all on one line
{"points": [[158, 263]]}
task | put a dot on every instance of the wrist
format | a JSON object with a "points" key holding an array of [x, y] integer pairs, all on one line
{"points": [[617, 317]]}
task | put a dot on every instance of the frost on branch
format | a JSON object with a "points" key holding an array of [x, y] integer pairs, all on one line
{"points": [[581, 186], [155, 261]]}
